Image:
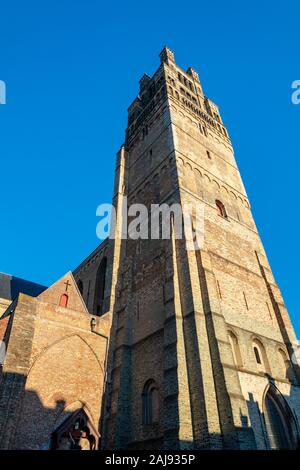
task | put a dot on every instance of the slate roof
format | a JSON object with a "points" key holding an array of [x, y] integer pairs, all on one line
{"points": [[11, 286]]}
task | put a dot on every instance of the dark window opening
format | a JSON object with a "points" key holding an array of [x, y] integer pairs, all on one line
{"points": [[80, 286], [100, 288], [221, 209], [257, 355], [150, 403]]}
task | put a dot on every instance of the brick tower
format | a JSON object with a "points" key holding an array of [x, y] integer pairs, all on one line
{"points": [[201, 342]]}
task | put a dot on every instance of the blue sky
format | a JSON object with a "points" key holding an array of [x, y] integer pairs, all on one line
{"points": [[72, 68]]}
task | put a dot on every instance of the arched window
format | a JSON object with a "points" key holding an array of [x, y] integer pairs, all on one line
{"points": [[235, 349], [221, 209], [285, 364], [280, 422], [64, 301], [80, 286], [260, 356], [150, 403], [257, 355], [100, 287]]}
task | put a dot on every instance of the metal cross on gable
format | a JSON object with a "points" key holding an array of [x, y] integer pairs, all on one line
{"points": [[68, 284]]}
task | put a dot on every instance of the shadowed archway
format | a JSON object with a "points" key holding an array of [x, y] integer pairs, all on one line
{"points": [[280, 423]]}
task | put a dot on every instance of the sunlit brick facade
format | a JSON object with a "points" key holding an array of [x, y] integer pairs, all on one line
{"points": [[200, 344]]}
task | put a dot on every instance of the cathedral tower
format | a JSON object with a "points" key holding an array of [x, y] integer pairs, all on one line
{"points": [[149, 344], [200, 352]]}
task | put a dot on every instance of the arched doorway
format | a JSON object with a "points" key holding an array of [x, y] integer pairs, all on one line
{"points": [[280, 423], [76, 433]]}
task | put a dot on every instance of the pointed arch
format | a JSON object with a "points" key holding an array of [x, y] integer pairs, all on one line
{"points": [[217, 185], [45, 399], [207, 178], [221, 209], [284, 364], [76, 431], [235, 348], [281, 426], [45, 351], [260, 355], [150, 403], [224, 189]]}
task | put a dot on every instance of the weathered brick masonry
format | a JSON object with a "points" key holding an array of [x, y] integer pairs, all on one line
{"points": [[194, 348], [54, 367]]}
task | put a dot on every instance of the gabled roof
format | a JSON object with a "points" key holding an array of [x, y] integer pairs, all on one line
{"points": [[67, 286]]}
